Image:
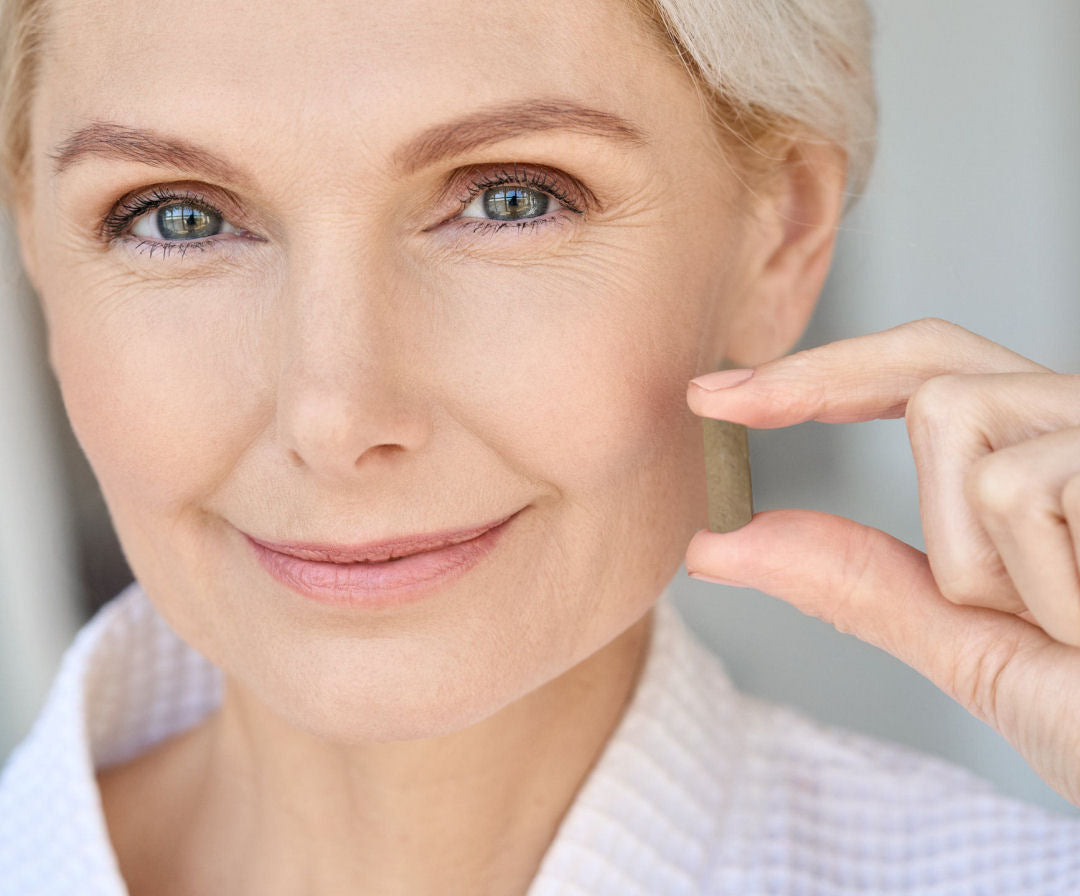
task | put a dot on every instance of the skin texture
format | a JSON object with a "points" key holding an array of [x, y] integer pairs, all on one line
{"points": [[357, 362]]}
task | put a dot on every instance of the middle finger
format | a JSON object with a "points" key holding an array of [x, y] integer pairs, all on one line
{"points": [[1018, 492], [953, 423]]}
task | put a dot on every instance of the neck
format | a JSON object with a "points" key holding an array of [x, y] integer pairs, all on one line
{"points": [[269, 809]]}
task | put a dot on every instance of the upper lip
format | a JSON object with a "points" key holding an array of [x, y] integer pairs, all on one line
{"points": [[375, 551]]}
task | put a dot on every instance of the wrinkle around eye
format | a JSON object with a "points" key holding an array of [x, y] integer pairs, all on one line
{"points": [[456, 244], [230, 261], [621, 233]]}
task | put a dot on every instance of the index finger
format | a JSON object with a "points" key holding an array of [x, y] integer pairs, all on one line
{"points": [[863, 378]]}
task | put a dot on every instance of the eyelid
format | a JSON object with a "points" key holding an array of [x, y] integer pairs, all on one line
{"points": [[215, 199]]}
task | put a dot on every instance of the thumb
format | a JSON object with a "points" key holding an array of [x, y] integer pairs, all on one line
{"points": [[866, 583]]}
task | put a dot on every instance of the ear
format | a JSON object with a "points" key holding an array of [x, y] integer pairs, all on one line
{"points": [[797, 212]]}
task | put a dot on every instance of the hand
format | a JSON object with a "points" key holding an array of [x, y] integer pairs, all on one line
{"points": [[991, 612]]}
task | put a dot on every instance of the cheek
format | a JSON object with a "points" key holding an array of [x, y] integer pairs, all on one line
{"points": [[588, 357], [154, 386]]}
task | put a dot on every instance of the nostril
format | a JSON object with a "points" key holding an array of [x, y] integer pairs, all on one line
{"points": [[385, 448], [335, 429]]}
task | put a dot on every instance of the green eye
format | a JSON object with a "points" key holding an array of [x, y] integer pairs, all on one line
{"points": [[187, 222]]}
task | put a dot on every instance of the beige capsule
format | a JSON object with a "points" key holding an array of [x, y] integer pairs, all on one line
{"points": [[727, 474]]}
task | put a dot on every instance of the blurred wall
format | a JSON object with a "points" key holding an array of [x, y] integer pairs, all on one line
{"points": [[39, 593], [973, 214]]}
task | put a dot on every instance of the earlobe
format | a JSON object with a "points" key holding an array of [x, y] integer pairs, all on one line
{"points": [[798, 216]]}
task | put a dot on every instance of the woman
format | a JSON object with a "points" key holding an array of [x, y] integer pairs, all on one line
{"points": [[376, 324]]}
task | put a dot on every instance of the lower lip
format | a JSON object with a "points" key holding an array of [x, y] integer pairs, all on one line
{"points": [[372, 585]]}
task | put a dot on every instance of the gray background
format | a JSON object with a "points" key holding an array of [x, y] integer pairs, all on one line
{"points": [[973, 214]]}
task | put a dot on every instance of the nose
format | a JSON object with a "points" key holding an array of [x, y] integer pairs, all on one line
{"points": [[347, 395]]}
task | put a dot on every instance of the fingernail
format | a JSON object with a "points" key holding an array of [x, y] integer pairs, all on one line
{"points": [[715, 581], [723, 379]]}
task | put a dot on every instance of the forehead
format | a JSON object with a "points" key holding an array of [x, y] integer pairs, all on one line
{"points": [[335, 72]]}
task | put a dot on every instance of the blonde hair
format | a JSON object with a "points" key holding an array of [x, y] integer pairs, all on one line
{"points": [[770, 68], [774, 71], [22, 35]]}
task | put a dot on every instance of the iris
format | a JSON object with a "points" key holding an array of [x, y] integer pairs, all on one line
{"points": [[187, 222], [514, 203]]}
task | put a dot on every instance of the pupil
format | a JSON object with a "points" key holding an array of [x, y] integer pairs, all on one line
{"points": [[186, 222], [514, 203]]}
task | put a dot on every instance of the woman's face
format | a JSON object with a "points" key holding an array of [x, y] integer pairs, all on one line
{"points": [[440, 262]]}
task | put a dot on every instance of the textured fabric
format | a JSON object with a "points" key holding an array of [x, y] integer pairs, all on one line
{"points": [[702, 790]]}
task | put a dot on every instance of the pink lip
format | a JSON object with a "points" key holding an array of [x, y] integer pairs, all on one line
{"points": [[380, 573]]}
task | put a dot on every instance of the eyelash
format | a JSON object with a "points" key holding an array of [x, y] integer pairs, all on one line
{"points": [[115, 225], [540, 179]]}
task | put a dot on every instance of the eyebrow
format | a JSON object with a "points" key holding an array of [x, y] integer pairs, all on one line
{"points": [[108, 140], [515, 119], [105, 139]]}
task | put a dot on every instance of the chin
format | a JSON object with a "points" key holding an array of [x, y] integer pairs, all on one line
{"points": [[383, 692]]}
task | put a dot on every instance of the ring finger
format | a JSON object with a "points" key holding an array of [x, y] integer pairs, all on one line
{"points": [[957, 423], [1018, 495]]}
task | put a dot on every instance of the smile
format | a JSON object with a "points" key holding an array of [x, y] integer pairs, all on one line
{"points": [[378, 574]]}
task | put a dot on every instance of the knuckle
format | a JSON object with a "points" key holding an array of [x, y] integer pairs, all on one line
{"points": [[961, 585], [999, 488], [935, 404], [934, 328], [975, 578], [981, 672], [856, 572]]}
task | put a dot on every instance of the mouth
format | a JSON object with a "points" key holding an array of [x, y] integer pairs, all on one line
{"points": [[380, 573], [378, 551]]}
